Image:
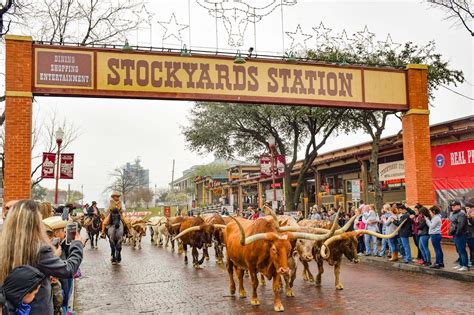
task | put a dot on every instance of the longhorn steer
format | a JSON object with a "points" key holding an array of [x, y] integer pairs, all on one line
{"points": [[173, 225], [308, 249], [345, 244], [197, 234], [257, 246], [138, 230], [160, 235], [218, 236]]}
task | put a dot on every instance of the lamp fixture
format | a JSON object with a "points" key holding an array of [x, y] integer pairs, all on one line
{"points": [[185, 52], [126, 46], [239, 59]]}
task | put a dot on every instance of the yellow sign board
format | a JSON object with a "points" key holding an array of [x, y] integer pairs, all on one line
{"points": [[115, 73]]}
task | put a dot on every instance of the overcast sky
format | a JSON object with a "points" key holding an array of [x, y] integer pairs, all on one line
{"points": [[114, 131]]}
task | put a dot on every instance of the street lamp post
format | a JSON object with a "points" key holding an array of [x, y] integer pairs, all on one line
{"points": [[59, 140], [271, 144]]}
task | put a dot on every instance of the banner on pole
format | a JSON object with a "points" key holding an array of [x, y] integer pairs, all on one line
{"points": [[266, 166], [280, 162], [47, 169], [67, 166]]}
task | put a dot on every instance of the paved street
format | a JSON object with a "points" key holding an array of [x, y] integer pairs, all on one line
{"points": [[155, 281]]}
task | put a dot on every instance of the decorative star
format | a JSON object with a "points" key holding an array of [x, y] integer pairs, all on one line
{"points": [[343, 42], [364, 40], [173, 29], [298, 38], [388, 44], [144, 16], [322, 36]]}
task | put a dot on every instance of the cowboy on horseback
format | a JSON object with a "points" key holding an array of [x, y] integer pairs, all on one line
{"points": [[115, 204]]}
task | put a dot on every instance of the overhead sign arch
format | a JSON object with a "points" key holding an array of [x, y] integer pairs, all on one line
{"points": [[50, 70]]}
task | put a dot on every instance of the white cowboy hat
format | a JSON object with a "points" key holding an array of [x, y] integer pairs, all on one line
{"points": [[54, 223], [116, 193]]}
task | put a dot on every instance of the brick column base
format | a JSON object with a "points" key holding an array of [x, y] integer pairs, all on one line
{"points": [[416, 139]]}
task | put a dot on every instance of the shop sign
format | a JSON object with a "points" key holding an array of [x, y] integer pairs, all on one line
{"points": [[392, 170]]}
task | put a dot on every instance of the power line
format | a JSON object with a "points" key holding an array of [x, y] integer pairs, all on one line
{"points": [[460, 94]]}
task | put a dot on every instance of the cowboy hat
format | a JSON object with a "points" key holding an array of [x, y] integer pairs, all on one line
{"points": [[116, 193], [54, 223]]}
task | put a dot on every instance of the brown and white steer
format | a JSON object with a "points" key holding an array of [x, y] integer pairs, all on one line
{"points": [[257, 246]]}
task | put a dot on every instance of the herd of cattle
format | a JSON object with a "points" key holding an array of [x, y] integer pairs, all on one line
{"points": [[271, 246]]}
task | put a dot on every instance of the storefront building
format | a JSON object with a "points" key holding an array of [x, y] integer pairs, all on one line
{"points": [[341, 177]]}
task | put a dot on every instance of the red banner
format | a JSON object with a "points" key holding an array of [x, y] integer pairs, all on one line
{"points": [[280, 162], [67, 166], [266, 166], [453, 172], [453, 160], [47, 169]]}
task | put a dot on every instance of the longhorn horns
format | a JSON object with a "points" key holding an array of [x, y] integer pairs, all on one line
{"points": [[197, 228], [325, 251], [291, 235]]}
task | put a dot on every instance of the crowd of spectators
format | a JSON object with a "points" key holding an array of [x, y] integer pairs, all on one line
{"points": [[421, 227], [37, 266]]}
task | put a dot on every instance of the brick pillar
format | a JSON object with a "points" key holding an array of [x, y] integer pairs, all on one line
{"points": [[416, 138], [18, 114]]}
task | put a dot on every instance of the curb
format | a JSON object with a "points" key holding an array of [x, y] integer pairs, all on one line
{"points": [[465, 276]]}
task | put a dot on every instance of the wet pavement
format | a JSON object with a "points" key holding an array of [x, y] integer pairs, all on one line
{"points": [[156, 281]]}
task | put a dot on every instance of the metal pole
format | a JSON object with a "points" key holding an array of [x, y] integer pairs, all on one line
{"points": [[82, 194], [272, 152], [57, 172]]}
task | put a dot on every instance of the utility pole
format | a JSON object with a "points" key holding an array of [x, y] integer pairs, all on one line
{"points": [[172, 177], [68, 193]]}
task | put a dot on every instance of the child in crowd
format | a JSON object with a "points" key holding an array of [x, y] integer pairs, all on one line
{"points": [[55, 230], [19, 290]]}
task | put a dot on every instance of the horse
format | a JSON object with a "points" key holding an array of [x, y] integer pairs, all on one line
{"points": [[115, 234], [93, 225]]}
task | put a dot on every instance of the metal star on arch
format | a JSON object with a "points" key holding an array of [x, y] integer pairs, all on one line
{"points": [[173, 29], [364, 40], [322, 36], [298, 38], [388, 44], [144, 16], [343, 42]]}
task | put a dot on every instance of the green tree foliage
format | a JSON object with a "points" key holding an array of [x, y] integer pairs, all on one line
{"points": [[374, 122], [39, 192], [230, 130]]}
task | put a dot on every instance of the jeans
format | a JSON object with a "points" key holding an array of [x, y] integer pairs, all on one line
{"points": [[367, 239], [425, 250], [406, 248], [436, 242], [360, 245], [460, 242], [400, 246], [470, 244], [393, 244], [383, 247], [416, 239]]}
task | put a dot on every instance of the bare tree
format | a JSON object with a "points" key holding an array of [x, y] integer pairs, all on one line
{"points": [[460, 11], [86, 22], [140, 196], [123, 181]]}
